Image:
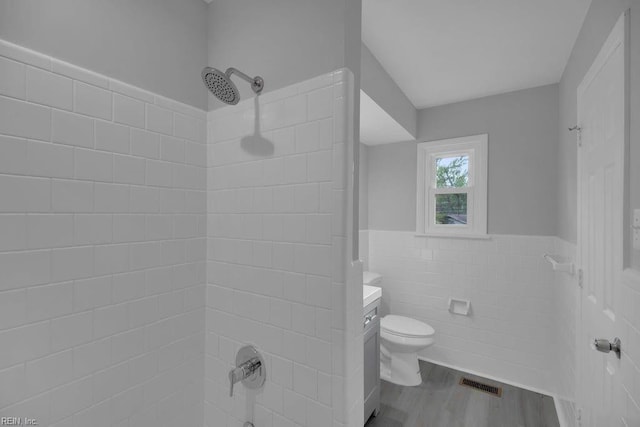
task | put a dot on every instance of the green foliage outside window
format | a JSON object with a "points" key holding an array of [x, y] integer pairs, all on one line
{"points": [[452, 173]]}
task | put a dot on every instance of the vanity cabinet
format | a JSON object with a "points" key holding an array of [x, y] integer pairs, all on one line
{"points": [[371, 359]]}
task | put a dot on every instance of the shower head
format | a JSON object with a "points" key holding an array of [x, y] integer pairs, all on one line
{"points": [[220, 85], [223, 88]]}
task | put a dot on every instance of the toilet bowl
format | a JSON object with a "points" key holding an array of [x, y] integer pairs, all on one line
{"points": [[401, 338]]}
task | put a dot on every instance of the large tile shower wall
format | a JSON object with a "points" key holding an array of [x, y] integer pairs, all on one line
{"points": [[510, 333], [277, 246], [102, 218]]}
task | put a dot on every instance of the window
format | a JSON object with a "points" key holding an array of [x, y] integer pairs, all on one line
{"points": [[452, 187]]}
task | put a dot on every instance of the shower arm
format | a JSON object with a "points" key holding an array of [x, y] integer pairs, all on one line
{"points": [[257, 84]]}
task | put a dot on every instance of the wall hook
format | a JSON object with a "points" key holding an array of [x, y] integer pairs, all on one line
{"points": [[576, 127]]}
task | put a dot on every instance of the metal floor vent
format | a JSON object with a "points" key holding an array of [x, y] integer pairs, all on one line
{"points": [[492, 390]]}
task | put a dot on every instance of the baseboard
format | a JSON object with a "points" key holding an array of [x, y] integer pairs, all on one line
{"points": [[491, 377]]}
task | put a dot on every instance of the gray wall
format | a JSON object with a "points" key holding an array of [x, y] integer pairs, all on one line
{"points": [[522, 128], [158, 45], [379, 85], [284, 41], [602, 16], [392, 186]]}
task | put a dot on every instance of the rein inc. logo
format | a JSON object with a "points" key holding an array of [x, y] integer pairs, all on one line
{"points": [[18, 421]]}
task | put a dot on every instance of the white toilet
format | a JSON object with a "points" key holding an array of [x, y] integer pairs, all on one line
{"points": [[401, 338]]}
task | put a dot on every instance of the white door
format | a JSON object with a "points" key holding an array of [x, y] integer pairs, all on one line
{"points": [[601, 117]]}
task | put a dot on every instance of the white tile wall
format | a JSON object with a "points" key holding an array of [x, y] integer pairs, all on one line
{"points": [[103, 222], [363, 236], [517, 302], [102, 251], [512, 293], [276, 256]]}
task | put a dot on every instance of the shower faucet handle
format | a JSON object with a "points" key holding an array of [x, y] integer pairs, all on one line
{"points": [[250, 369], [245, 370]]}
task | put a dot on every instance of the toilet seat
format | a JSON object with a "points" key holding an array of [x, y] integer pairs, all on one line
{"points": [[405, 327]]}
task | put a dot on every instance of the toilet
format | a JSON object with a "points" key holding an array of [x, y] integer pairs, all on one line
{"points": [[401, 338]]}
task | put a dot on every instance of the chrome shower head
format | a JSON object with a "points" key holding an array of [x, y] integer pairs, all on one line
{"points": [[223, 88], [220, 85]]}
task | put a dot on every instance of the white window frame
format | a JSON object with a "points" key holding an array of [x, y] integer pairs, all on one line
{"points": [[476, 148]]}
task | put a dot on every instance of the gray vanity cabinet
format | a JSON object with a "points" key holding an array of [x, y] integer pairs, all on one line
{"points": [[371, 359]]}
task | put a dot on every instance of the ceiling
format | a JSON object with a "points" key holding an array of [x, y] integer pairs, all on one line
{"points": [[377, 126], [445, 51]]}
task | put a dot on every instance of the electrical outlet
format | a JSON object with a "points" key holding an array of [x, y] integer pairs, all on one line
{"points": [[636, 239], [636, 218]]}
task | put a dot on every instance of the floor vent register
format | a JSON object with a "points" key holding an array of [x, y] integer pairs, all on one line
{"points": [[492, 390]]}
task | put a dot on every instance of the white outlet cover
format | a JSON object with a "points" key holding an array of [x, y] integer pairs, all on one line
{"points": [[636, 218], [636, 239]]}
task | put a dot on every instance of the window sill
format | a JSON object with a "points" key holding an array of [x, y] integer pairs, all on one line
{"points": [[456, 236]]}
